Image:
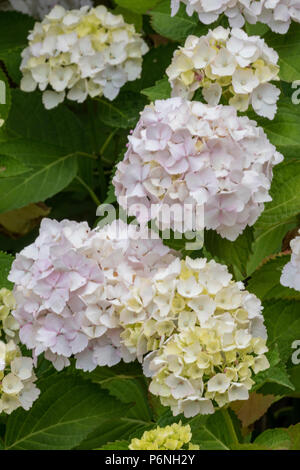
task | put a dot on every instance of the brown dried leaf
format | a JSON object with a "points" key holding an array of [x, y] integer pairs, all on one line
{"points": [[19, 222], [253, 409]]}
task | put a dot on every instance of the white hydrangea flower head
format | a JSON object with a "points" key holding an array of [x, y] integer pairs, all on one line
{"points": [[227, 63], [81, 53], [187, 158], [277, 14], [290, 276], [9, 325], [16, 372], [205, 334], [69, 285], [17, 379], [39, 8]]}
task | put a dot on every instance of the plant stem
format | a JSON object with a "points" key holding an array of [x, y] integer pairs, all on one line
{"points": [[230, 426], [89, 190], [107, 142]]}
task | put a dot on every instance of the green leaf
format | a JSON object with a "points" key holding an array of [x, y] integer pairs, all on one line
{"points": [[285, 197], [12, 60], [234, 254], [274, 439], [210, 432], [275, 380], [128, 384], [48, 142], [288, 47], [5, 265], [160, 91], [14, 29], [11, 166], [268, 241], [283, 130], [177, 27], [123, 111], [294, 373], [67, 411], [265, 282], [294, 433], [117, 445], [282, 320], [137, 6], [112, 430]]}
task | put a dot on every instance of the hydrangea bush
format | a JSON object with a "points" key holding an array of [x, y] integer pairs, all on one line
{"points": [[149, 225]]}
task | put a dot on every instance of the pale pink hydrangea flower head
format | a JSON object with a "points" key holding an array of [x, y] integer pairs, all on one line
{"points": [[189, 158], [69, 285]]}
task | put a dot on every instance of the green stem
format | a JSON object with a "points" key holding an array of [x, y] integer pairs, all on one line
{"points": [[230, 426], [107, 142], [89, 190]]}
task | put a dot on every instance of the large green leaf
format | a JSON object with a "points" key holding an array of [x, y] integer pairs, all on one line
{"points": [[5, 265], [210, 432], [280, 438], [49, 143], [14, 29], [268, 241], [177, 27], [128, 384], [283, 130], [234, 254], [288, 47], [285, 198], [137, 6], [282, 320], [123, 112], [275, 380], [160, 91], [265, 282], [67, 411]]}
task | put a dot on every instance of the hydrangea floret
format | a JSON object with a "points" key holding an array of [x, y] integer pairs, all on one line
{"points": [[277, 14], [81, 53], [172, 437], [17, 387], [70, 284], [290, 276], [205, 334], [230, 64], [186, 158]]}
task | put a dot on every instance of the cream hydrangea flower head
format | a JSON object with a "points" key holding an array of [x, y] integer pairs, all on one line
{"points": [[187, 158], [277, 14], [7, 303], [205, 334], [17, 379], [39, 8], [81, 53], [290, 276], [16, 372], [70, 284], [227, 63], [173, 437]]}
